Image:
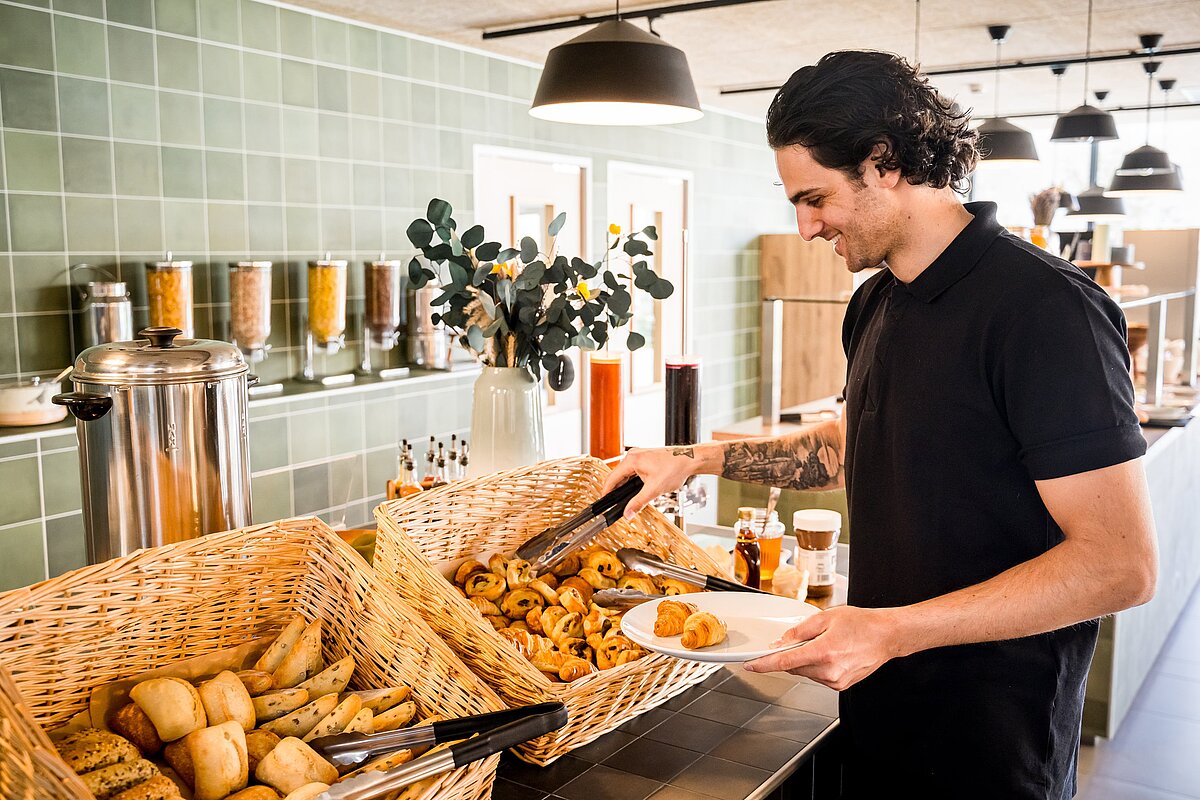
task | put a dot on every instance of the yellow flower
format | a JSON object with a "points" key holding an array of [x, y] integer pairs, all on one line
{"points": [[505, 269], [584, 291], [614, 229]]}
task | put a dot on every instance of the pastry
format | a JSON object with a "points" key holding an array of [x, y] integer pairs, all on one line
{"points": [[528, 644], [625, 656], [133, 724], [256, 793], [159, 787], [638, 581], [487, 585], [116, 778], [545, 589], [498, 565], [567, 627], [302, 720], [702, 630], [301, 662], [533, 621], [331, 680], [498, 621], [577, 647], [583, 587], [671, 616], [308, 791], [293, 764], [219, 761], [274, 705], [467, 569], [596, 579], [517, 603], [485, 606], [550, 661], [394, 718], [568, 566], [96, 750], [605, 562], [518, 573], [258, 744], [225, 698], [572, 600], [172, 704], [337, 720], [672, 586], [273, 657], [574, 668], [551, 615], [606, 655]]}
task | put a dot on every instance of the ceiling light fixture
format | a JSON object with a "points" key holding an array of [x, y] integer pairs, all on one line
{"points": [[1146, 170], [1085, 123], [1092, 204], [999, 139], [616, 74]]}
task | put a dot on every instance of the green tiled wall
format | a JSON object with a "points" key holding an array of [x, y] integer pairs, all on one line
{"points": [[232, 129]]}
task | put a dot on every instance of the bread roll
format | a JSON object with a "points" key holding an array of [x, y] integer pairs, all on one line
{"points": [[255, 793], [225, 698], [160, 787], [219, 760], [273, 657], [293, 764], [308, 791], [133, 724], [96, 750], [363, 722], [302, 720], [256, 681], [337, 720], [395, 718], [380, 700], [258, 744], [301, 662], [116, 778], [180, 759], [274, 705], [172, 704], [331, 680]]}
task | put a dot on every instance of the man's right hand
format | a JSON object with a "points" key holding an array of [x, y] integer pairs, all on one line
{"points": [[662, 469]]}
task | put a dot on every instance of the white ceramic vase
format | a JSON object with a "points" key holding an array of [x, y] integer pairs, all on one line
{"points": [[506, 421]]}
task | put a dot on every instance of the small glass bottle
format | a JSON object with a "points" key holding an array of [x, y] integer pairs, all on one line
{"points": [[770, 542], [452, 459], [817, 531], [408, 482], [746, 555], [439, 475], [462, 462], [428, 477]]}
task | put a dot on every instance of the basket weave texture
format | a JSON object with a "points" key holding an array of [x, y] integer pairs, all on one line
{"points": [[499, 513], [62, 638]]}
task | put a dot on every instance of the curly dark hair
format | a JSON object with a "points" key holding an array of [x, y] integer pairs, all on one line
{"points": [[852, 100]]}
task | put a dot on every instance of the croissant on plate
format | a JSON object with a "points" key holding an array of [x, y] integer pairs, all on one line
{"points": [[672, 614], [702, 630]]}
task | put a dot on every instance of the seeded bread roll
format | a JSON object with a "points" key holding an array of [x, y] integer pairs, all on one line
{"points": [[274, 705], [112, 780], [133, 724], [302, 661], [160, 787], [97, 750]]}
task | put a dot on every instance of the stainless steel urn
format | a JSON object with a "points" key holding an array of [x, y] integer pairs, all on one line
{"points": [[162, 440]]}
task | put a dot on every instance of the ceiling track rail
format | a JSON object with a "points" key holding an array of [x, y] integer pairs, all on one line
{"points": [[593, 19], [1126, 55], [1111, 110]]}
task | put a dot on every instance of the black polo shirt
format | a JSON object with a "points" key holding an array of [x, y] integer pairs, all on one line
{"points": [[997, 366]]}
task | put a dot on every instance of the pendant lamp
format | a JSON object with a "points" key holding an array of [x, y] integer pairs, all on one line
{"points": [[1146, 170], [1095, 206], [1085, 123], [616, 74], [999, 139]]}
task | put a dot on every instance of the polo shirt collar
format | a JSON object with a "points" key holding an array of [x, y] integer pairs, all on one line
{"points": [[960, 257]]}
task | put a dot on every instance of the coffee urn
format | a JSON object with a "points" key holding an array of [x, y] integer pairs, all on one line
{"points": [[163, 450]]}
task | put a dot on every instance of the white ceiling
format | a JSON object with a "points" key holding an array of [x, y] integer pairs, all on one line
{"points": [[762, 43]]}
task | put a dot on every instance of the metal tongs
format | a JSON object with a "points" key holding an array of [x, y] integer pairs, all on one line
{"points": [[552, 545], [642, 561], [497, 731]]}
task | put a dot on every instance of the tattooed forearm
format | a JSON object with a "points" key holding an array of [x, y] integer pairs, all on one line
{"points": [[683, 451], [806, 461]]}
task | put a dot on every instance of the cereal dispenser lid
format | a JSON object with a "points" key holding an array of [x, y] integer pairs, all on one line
{"points": [[157, 356]]}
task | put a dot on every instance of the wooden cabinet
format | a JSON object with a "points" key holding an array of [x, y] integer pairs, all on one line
{"points": [[814, 365]]}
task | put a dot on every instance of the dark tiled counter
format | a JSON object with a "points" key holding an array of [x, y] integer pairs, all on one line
{"points": [[736, 736]]}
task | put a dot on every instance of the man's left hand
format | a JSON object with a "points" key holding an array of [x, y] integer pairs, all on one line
{"points": [[841, 646]]}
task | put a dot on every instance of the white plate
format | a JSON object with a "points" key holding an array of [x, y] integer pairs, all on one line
{"points": [[754, 621]]}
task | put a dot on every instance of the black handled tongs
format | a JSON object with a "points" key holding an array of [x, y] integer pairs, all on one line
{"points": [[497, 731], [552, 545], [649, 563]]}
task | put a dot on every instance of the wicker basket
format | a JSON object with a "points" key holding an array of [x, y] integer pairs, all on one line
{"points": [[499, 513], [61, 639]]}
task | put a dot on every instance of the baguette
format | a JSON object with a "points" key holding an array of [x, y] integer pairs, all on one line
{"points": [[256, 681], [219, 760], [302, 720], [274, 705], [293, 764], [273, 657], [337, 720], [363, 722], [331, 680], [116, 778], [303, 661], [396, 717], [380, 700]]}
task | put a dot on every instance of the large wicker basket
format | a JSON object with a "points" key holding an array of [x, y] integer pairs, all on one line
{"points": [[499, 513], [61, 639]]}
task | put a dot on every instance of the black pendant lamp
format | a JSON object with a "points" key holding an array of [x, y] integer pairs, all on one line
{"points": [[999, 139], [1086, 123], [1146, 170], [1095, 206], [616, 74]]}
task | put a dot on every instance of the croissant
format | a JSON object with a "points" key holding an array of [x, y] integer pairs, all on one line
{"points": [[580, 585], [466, 570], [575, 668], [605, 562], [498, 621], [550, 661], [498, 564], [484, 606], [551, 615], [702, 630], [518, 602], [572, 601], [533, 621], [595, 579], [529, 644], [568, 627], [625, 656], [606, 656], [594, 622], [672, 586], [638, 581], [672, 614], [487, 585], [519, 573], [548, 592]]}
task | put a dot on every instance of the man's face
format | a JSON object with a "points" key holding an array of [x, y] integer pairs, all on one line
{"points": [[858, 219]]}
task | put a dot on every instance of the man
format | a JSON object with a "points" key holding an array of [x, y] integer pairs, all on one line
{"points": [[989, 451]]}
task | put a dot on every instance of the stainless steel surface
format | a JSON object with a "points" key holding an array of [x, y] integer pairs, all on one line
{"points": [[771, 391], [1154, 356], [622, 599], [374, 784], [169, 460], [428, 343], [105, 313]]}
